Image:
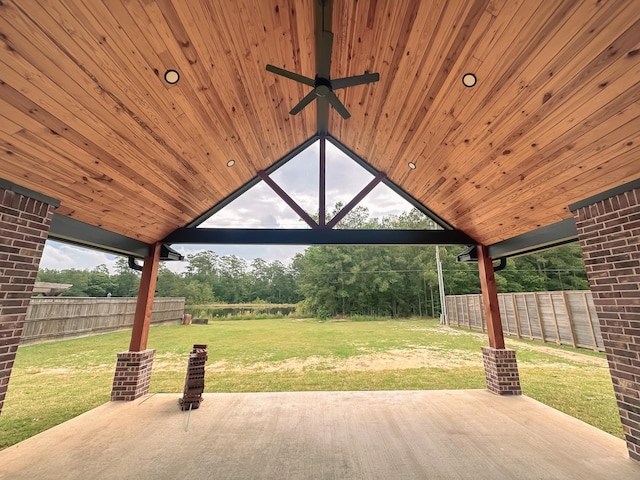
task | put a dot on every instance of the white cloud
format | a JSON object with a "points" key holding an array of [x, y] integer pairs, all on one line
{"points": [[61, 256]]}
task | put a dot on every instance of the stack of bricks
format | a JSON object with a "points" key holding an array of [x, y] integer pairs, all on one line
{"points": [[501, 371], [194, 383], [24, 226], [609, 233], [133, 375]]}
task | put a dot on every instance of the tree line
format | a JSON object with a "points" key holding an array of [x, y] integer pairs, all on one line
{"points": [[329, 280]]}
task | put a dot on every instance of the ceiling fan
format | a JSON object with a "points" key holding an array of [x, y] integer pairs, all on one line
{"points": [[323, 85]]}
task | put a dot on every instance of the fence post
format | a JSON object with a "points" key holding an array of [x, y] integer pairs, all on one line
{"points": [[588, 316], [539, 313], [516, 315], [505, 313], [555, 320], [526, 310], [567, 307]]}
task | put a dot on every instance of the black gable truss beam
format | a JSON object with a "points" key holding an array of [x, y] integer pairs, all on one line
{"points": [[260, 236]]}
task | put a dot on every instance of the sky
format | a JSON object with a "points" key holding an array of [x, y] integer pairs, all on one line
{"points": [[260, 207]]}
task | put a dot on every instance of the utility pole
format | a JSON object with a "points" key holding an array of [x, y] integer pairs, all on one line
{"points": [[443, 307]]}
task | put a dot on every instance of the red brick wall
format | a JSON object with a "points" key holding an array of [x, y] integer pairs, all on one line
{"points": [[24, 226], [609, 233]]}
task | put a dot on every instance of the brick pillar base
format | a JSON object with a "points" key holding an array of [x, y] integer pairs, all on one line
{"points": [[133, 374], [501, 371]]}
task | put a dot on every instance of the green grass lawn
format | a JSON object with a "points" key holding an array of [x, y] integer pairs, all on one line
{"points": [[55, 381]]}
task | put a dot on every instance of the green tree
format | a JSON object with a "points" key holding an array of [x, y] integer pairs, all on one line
{"points": [[100, 282], [126, 281], [170, 284]]}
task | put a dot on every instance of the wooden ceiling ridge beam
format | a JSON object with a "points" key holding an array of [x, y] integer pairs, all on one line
{"points": [[323, 21]]}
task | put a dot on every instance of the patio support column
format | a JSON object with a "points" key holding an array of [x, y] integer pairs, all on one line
{"points": [[500, 365], [24, 226], [133, 368], [609, 233]]}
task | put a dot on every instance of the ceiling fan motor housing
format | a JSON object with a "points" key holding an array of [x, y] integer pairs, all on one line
{"points": [[322, 86]]}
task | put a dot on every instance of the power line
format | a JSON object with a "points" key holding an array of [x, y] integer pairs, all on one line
{"points": [[547, 270]]}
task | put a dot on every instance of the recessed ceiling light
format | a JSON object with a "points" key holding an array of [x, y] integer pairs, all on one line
{"points": [[171, 77], [231, 163], [469, 80], [412, 165]]}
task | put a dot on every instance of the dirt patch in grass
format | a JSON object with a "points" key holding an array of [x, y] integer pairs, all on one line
{"points": [[565, 354], [395, 359], [398, 359], [519, 345], [417, 356]]}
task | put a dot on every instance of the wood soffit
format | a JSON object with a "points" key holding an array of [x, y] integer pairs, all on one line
{"points": [[86, 117]]}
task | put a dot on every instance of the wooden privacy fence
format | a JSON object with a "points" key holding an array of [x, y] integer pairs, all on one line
{"points": [[567, 317], [51, 318]]}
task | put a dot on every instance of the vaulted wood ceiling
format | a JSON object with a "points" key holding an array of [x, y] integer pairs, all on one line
{"points": [[86, 117]]}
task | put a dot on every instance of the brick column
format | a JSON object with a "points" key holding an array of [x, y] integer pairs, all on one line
{"points": [[501, 371], [24, 226], [133, 368], [609, 234], [133, 374]]}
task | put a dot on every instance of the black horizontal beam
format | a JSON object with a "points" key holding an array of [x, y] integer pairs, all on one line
{"points": [[260, 236], [540, 239], [70, 230]]}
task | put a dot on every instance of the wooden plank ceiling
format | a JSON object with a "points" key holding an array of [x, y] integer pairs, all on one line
{"points": [[85, 116]]}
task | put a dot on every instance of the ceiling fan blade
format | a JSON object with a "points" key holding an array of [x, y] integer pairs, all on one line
{"points": [[355, 80], [323, 63], [291, 75], [337, 104], [303, 103]]}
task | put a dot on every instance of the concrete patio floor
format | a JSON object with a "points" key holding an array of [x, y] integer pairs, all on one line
{"points": [[323, 435]]}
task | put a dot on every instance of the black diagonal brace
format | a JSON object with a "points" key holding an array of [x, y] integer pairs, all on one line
{"points": [[287, 199], [357, 199]]}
